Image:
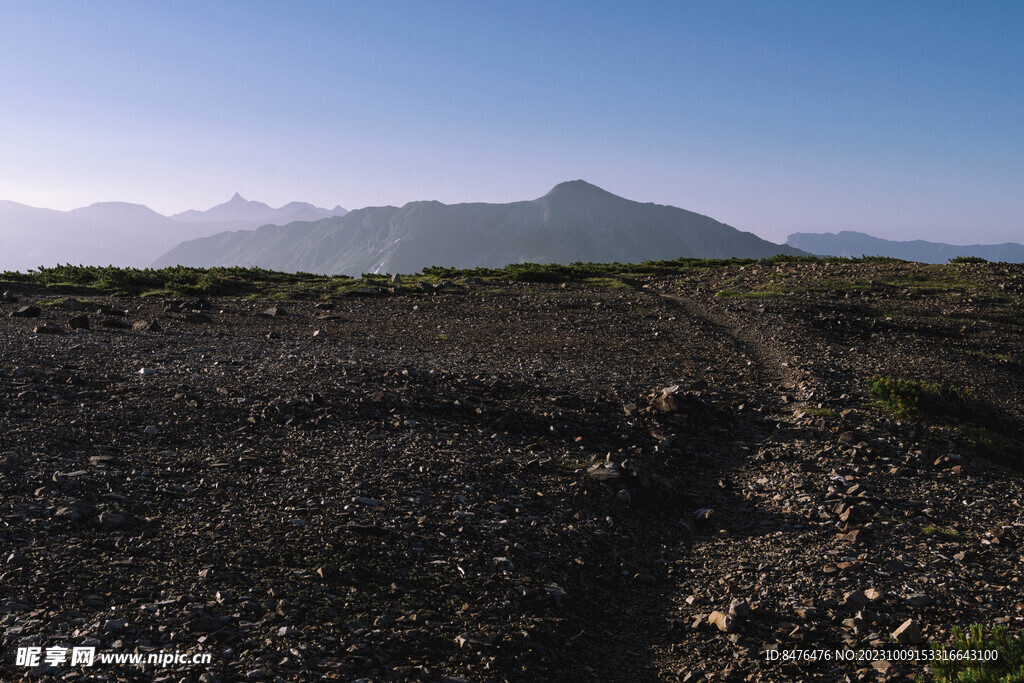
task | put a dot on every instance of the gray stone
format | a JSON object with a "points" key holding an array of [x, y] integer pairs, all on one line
{"points": [[919, 600], [909, 633], [68, 512], [115, 519], [856, 599], [739, 608], [17, 559], [112, 625], [604, 473]]}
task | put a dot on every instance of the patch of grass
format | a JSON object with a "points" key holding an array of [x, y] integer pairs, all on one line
{"points": [[954, 661], [88, 304], [877, 259], [606, 283], [1008, 358], [979, 426], [941, 531], [554, 272], [182, 280], [820, 412], [916, 397]]}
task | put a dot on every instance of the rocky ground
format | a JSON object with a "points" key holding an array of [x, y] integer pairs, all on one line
{"points": [[661, 480]]}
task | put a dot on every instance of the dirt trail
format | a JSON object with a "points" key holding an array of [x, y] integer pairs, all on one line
{"points": [[746, 536], [772, 357]]}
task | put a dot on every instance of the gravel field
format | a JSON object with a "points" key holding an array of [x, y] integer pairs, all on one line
{"points": [[663, 479]]}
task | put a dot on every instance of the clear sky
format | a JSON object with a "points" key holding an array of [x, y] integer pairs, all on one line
{"points": [[902, 119]]}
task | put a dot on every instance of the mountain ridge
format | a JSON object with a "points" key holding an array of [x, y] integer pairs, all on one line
{"points": [[849, 243], [241, 210], [125, 233], [574, 221]]}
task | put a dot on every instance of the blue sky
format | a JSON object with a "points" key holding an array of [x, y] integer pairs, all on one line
{"points": [[902, 119]]}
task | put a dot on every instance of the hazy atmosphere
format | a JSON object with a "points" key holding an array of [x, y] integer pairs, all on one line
{"points": [[902, 121]]}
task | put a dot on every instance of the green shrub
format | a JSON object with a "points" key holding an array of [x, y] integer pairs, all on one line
{"points": [[941, 531], [1009, 666], [968, 259], [915, 397], [175, 280]]}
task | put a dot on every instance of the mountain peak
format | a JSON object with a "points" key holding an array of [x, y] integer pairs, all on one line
{"points": [[237, 198], [577, 187]]}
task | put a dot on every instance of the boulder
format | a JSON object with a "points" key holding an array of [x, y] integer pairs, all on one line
{"points": [[79, 322]]}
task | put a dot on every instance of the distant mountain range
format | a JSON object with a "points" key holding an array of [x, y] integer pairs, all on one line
{"points": [[241, 213], [575, 221], [858, 244], [116, 233]]}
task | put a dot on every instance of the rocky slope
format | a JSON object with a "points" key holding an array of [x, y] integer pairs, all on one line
{"points": [[575, 221], [500, 481]]}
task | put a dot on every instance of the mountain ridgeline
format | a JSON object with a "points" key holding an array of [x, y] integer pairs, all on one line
{"points": [[240, 213], [124, 234], [575, 221], [856, 244]]}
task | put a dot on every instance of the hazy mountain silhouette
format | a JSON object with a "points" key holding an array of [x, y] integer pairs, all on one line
{"points": [[122, 234], [856, 244], [101, 234], [246, 213], [575, 221]]}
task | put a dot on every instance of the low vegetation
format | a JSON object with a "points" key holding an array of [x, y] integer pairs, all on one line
{"points": [[255, 281], [174, 281], [977, 425], [945, 532], [954, 663], [915, 397]]}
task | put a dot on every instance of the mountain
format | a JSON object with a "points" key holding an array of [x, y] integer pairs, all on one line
{"points": [[858, 244], [575, 221], [122, 234], [101, 234], [242, 213]]}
